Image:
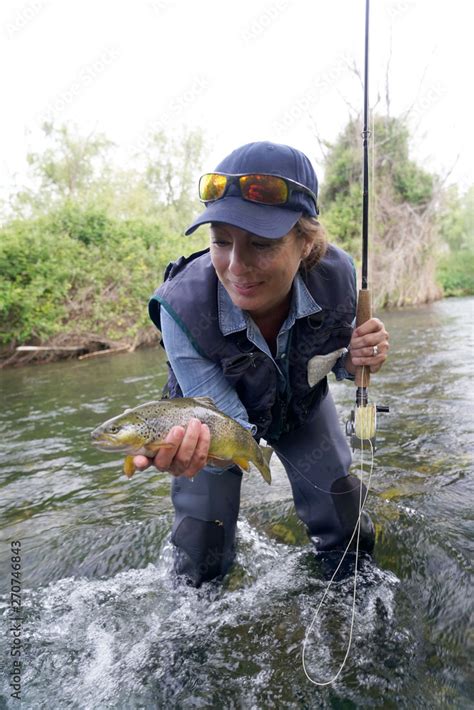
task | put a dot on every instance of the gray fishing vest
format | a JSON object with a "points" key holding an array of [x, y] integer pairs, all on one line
{"points": [[189, 294]]}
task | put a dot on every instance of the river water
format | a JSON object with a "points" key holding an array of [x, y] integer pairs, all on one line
{"points": [[103, 624]]}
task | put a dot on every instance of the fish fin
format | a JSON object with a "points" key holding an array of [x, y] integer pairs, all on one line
{"points": [[264, 469], [206, 401], [129, 467], [243, 463]]}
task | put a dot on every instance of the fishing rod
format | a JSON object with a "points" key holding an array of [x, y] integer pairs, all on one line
{"points": [[361, 426]]}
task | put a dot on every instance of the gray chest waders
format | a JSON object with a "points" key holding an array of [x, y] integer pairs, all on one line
{"points": [[207, 508]]}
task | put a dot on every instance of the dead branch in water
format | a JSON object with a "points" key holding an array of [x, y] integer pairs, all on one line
{"points": [[101, 353], [78, 345], [46, 348]]}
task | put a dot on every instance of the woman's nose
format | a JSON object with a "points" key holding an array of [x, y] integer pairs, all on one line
{"points": [[239, 261]]}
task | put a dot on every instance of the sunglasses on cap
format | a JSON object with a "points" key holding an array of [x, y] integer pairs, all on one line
{"points": [[255, 187]]}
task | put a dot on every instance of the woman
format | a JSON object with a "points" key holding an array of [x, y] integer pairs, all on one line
{"points": [[256, 322]]}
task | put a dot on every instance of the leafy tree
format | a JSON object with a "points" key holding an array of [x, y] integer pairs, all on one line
{"points": [[77, 172], [72, 168], [171, 172], [457, 219], [456, 222], [403, 229]]}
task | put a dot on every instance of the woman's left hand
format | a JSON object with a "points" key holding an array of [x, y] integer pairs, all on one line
{"points": [[368, 346]]}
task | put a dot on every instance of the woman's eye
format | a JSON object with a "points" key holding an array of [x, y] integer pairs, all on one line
{"points": [[260, 245], [220, 242]]}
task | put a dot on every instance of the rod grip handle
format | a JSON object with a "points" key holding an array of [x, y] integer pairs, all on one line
{"points": [[364, 313]]}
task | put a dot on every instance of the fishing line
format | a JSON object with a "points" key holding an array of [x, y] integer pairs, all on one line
{"points": [[311, 483], [356, 530], [316, 614]]}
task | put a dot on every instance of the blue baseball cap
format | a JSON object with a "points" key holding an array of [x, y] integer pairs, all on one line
{"points": [[263, 220]]}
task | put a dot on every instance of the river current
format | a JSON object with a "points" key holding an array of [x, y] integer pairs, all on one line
{"points": [[103, 623]]}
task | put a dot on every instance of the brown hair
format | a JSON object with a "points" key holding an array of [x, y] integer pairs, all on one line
{"points": [[310, 227]]}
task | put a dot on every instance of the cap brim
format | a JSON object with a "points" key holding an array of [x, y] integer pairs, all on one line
{"points": [[262, 220]]}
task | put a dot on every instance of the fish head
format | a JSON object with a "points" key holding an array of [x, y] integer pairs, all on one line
{"points": [[127, 432]]}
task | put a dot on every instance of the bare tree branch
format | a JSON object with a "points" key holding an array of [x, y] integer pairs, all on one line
{"points": [[323, 146]]}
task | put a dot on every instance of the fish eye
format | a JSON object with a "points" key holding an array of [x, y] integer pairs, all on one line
{"points": [[114, 429]]}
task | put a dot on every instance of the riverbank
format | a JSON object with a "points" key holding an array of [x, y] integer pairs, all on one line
{"points": [[75, 284], [69, 346], [86, 346]]}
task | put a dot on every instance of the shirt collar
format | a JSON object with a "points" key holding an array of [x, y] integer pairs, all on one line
{"points": [[232, 319]]}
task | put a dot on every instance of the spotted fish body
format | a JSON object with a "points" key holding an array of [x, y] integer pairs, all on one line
{"points": [[143, 430]]}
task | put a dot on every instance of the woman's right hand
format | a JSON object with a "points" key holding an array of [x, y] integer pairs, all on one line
{"points": [[187, 453]]}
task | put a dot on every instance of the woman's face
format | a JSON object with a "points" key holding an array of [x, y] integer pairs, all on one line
{"points": [[257, 273]]}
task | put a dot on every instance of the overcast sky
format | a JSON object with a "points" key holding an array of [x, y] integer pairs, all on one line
{"points": [[242, 70]]}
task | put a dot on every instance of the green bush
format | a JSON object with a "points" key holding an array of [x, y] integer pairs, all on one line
{"points": [[81, 271], [456, 274], [37, 270], [90, 226], [343, 217]]}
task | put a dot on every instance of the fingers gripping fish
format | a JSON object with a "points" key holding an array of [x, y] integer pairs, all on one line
{"points": [[143, 430]]}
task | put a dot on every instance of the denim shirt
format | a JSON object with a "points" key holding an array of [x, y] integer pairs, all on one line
{"points": [[199, 377]]}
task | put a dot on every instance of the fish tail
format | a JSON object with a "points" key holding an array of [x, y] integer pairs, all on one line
{"points": [[264, 465]]}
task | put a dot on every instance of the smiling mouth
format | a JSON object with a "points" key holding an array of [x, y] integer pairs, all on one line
{"points": [[246, 287]]}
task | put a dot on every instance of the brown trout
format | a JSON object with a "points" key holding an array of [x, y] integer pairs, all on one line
{"points": [[143, 430]]}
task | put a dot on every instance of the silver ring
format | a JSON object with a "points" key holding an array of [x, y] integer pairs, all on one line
{"points": [[375, 351]]}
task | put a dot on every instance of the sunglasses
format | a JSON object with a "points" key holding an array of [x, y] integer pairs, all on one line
{"points": [[254, 187]]}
